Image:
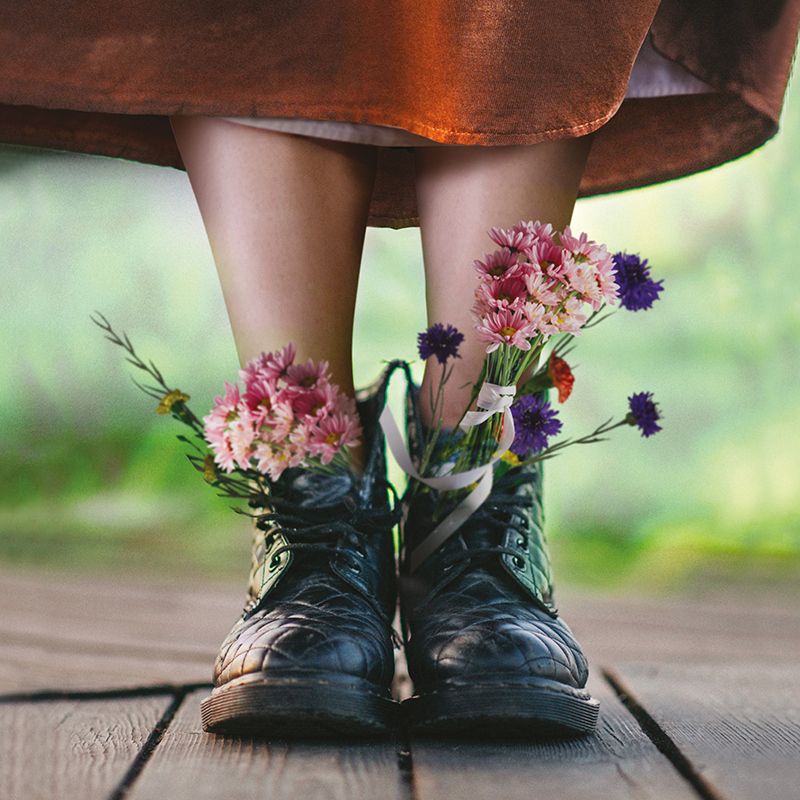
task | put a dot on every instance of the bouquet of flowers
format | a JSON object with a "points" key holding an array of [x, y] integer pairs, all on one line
{"points": [[536, 292], [287, 414]]}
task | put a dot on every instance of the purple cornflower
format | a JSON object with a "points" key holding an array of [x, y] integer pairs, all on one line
{"points": [[637, 290], [534, 422], [440, 342], [643, 413]]}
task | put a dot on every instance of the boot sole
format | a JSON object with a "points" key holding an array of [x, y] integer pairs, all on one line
{"points": [[298, 707], [544, 708]]}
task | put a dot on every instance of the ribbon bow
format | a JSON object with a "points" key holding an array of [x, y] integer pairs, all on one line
{"points": [[492, 399]]}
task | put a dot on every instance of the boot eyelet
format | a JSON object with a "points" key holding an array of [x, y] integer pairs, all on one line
{"points": [[355, 568], [274, 563], [518, 562], [522, 541]]}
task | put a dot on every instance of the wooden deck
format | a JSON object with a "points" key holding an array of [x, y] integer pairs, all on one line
{"points": [[101, 681]]}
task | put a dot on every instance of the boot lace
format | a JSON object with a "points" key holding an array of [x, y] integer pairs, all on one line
{"points": [[484, 531], [344, 522]]}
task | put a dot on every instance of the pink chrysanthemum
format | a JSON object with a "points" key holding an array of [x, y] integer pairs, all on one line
{"points": [[242, 434], [566, 319], [506, 327], [499, 264], [507, 292], [273, 459], [516, 238], [272, 366], [259, 392], [220, 443], [315, 402], [605, 275], [581, 247], [549, 258], [330, 435], [225, 410], [582, 279], [540, 289], [310, 375], [271, 423]]}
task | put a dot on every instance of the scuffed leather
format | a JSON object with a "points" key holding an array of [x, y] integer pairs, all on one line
{"points": [[324, 612], [489, 619]]}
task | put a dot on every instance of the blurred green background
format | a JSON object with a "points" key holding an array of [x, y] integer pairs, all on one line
{"points": [[92, 479]]}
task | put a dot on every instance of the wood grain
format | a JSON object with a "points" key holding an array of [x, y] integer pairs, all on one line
{"points": [[191, 764], [78, 633], [739, 726], [616, 763], [72, 750]]}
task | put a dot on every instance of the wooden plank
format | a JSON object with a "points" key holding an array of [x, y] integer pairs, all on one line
{"points": [[79, 633], [721, 627], [83, 633], [618, 761], [738, 726], [191, 764], [72, 749]]}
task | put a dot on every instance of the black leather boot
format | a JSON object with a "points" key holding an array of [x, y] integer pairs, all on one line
{"points": [[313, 651], [486, 649]]}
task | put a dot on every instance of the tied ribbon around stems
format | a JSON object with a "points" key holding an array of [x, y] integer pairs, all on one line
{"points": [[492, 399]]}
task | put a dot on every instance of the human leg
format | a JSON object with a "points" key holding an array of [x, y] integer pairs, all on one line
{"points": [[312, 651], [486, 648], [461, 193], [286, 217]]}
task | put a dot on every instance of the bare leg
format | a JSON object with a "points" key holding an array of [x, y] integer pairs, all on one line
{"points": [[285, 217], [461, 193]]}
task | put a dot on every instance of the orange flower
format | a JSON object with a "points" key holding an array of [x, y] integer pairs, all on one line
{"points": [[561, 375]]}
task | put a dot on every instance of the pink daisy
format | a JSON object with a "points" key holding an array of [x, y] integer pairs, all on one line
{"points": [[509, 291], [220, 444], [242, 434], [499, 264], [567, 319], [581, 247], [506, 326], [260, 392], [583, 280], [330, 434], [540, 289], [272, 366], [517, 238], [276, 426], [605, 275], [315, 402], [307, 376], [549, 258], [273, 459], [225, 409]]}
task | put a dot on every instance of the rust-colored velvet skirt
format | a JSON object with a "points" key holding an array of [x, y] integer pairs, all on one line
{"points": [[103, 77]]}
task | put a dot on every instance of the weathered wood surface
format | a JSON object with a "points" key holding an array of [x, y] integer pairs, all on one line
{"points": [[618, 762], [189, 764], [83, 633], [737, 725], [710, 705], [72, 749], [79, 633]]}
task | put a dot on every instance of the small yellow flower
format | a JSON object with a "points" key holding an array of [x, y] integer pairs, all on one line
{"points": [[512, 459], [169, 400], [209, 469]]}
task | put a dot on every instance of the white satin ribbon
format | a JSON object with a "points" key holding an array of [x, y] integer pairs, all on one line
{"points": [[492, 399]]}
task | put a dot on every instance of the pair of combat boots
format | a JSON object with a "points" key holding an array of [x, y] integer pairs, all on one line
{"points": [[313, 653]]}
